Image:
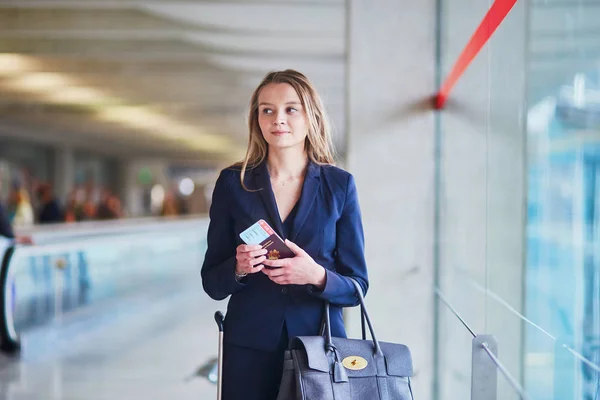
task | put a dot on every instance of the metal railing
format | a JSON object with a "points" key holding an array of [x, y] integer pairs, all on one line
{"points": [[561, 347], [485, 363]]}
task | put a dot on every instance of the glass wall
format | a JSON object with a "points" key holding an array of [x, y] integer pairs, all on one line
{"points": [[562, 266], [521, 258], [481, 234], [69, 271]]}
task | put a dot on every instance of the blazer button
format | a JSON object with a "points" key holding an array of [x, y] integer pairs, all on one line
{"points": [[284, 290]]}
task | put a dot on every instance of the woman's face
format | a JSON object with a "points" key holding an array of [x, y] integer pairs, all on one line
{"points": [[281, 117]]}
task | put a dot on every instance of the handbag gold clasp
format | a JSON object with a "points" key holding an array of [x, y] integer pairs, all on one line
{"points": [[354, 363]]}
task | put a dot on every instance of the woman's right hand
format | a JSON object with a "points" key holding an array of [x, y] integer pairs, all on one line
{"points": [[249, 259]]}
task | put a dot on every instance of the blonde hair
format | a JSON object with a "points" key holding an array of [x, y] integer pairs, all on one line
{"points": [[318, 144]]}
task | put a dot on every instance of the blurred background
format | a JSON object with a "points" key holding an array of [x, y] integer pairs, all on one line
{"points": [[117, 115]]}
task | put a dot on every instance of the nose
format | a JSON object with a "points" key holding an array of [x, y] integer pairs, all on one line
{"points": [[280, 119]]}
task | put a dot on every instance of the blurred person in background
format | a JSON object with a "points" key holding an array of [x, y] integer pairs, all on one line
{"points": [[170, 205], [183, 204], [50, 212], [109, 207], [115, 207], [88, 210], [23, 215], [91, 191], [6, 229], [13, 200], [73, 209], [103, 211]]}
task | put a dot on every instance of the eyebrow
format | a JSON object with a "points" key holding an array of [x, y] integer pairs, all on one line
{"points": [[288, 103]]}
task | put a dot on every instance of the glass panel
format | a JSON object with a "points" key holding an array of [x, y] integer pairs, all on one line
{"points": [[481, 196], [505, 193], [462, 218], [563, 260], [51, 280]]}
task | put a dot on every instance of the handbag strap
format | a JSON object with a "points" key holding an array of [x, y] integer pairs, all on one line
{"points": [[326, 328], [365, 316], [363, 329], [363, 325], [328, 341]]}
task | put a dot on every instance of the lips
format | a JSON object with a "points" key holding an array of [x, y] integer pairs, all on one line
{"points": [[279, 132]]}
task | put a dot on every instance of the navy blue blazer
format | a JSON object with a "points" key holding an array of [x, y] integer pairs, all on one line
{"points": [[327, 225]]}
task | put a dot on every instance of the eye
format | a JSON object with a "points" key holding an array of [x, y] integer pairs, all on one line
{"points": [[291, 110], [267, 111]]}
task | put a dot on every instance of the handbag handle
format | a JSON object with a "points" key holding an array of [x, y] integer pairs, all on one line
{"points": [[363, 328], [329, 346], [362, 323]]}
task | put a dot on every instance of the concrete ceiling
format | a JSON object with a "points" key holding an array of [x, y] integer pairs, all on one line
{"points": [[169, 78], [173, 78]]}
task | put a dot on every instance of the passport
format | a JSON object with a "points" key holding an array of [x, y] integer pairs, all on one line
{"points": [[261, 233]]}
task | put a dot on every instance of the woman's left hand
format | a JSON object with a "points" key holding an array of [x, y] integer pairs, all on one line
{"points": [[299, 270]]}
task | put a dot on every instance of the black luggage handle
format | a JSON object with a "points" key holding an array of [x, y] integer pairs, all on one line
{"points": [[219, 319]]}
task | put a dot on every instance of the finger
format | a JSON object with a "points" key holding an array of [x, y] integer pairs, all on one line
{"points": [[245, 248], [295, 248], [276, 263], [251, 261], [245, 258], [280, 280], [251, 268], [273, 273], [256, 253], [275, 276], [256, 269], [255, 261]]}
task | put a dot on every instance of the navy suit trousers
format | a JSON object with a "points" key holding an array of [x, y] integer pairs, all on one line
{"points": [[250, 374]]}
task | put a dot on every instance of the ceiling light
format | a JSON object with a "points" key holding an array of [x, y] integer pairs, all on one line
{"points": [[60, 88], [38, 82], [78, 96], [162, 126], [11, 64], [186, 186]]}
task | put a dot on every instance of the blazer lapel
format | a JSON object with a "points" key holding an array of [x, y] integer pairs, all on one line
{"points": [[310, 189], [262, 182]]}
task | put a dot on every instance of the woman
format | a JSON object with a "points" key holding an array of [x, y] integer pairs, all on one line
{"points": [[23, 216], [288, 180]]}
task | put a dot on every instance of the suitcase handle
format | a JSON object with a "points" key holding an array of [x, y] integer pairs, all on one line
{"points": [[219, 318]]}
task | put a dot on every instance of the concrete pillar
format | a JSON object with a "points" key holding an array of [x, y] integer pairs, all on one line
{"points": [[128, 188], [122, 182], [391, 69]]}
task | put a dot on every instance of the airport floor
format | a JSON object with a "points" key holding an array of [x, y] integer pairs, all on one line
{"points": [[148, 345]]}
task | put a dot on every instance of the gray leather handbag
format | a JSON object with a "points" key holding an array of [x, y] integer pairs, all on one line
{"points": [[326, 368]]}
